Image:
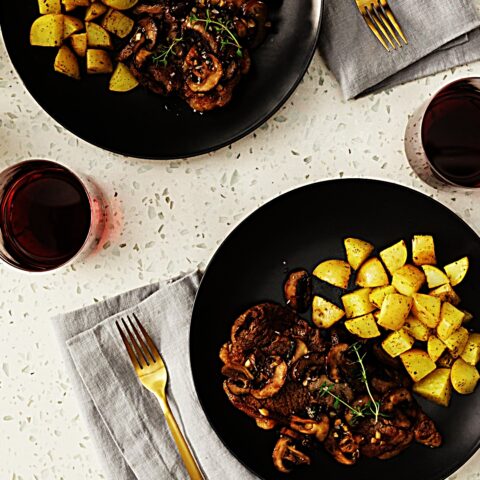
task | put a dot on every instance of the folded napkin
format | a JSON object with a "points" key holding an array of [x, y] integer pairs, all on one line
{"points": [[125, 419], [441, 34]]}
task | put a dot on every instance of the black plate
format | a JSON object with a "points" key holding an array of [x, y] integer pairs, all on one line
{"points": [[142, 124], [302, 228]]}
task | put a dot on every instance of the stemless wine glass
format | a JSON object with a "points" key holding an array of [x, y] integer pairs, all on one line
{"points": [[442, 139], [49, 216]]}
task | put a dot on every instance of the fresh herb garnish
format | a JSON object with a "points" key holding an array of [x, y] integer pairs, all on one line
{"points": [[326, 389], [161, 58], [221, 27]]}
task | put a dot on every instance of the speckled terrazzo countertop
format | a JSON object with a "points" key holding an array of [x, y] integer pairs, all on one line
{"points": [[170, 217]]}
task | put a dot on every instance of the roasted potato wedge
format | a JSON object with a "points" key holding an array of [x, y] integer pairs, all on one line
{"points": [[79, 44], [120, 4], [416, 328], [66, 63], [122, 79], [98, 61], [325, 313], [457, 342], [435, 387], [408, 280], [471, 352], [450, 320], [117, 23], [427, 309], [71, 25], [94, 11], [47, 31], [73, 4], [372, 274], [395, 257], [435, 277], [417, 363], [378, 294], [97, 36], [394, 311], [363, 327], [357, 303], [398, 342], [446, 294], [334, 272], [457, 271], [423, 250], [464, 377], [435, 347], [49, 6], [357, 251]]}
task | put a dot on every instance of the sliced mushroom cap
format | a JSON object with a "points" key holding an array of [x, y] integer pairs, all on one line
{"points": [[235, 371], [344, 447], [285, 451], [335, 360], [265, 423], [150, 28], [300, 350], [248, 408], [307, 426], [206, 36], [257, 11], [155, 9], [308, 368], [297, 290], [204, 71], [276, 381], [141, 56]]}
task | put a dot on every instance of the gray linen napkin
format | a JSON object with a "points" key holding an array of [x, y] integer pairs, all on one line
{"points": [[125, 420], [441, 34]]}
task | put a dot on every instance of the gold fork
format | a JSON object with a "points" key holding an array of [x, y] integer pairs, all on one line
{"points": [[152, 373], [381, 21]]}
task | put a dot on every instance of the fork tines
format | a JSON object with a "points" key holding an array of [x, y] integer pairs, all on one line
{"points": [[381, 21], [140, 348]]}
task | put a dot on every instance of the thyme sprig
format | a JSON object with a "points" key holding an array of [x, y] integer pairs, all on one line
{"points": [[220, 26], [164, 52], [373, 406], [326, 389]]}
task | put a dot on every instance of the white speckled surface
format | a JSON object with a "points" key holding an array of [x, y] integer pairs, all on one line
{"points": [[170, 217]]}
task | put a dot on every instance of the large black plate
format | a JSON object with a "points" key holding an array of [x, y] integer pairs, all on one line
{"points": [[142, 124], [301, 228]]}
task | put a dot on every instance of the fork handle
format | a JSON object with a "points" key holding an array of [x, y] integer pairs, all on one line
{"points": [[188, 459]]}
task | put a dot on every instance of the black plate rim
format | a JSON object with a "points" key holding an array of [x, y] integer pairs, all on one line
{"points": [[184, 155], [441, 476]]}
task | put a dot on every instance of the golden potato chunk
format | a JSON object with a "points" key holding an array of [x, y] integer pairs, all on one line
{"points": [[457, 342], [120, 4], [395, 257], [378, 294], [435, 347], [122, 79], [471, 353], [97, 36], [357, 303], [450, 320], [47, 31], [117, 23], [435, 387], [363, 327], [417, 363], [423, 250], [357, 251], [394, 311], [435, 277], [73, 4], [398, 342], [334, 272], [457, 271], [71, 25], [408, 280], [416, 328], [427, 309], [79, 44], [94, 11], [372, 274], [464, 377], [66, 63], [98, 61], [446, 294], [325, 313], [49, 6]]}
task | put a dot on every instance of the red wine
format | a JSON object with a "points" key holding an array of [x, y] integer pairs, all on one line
{"points": [[451, 133], [45, 216]]}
